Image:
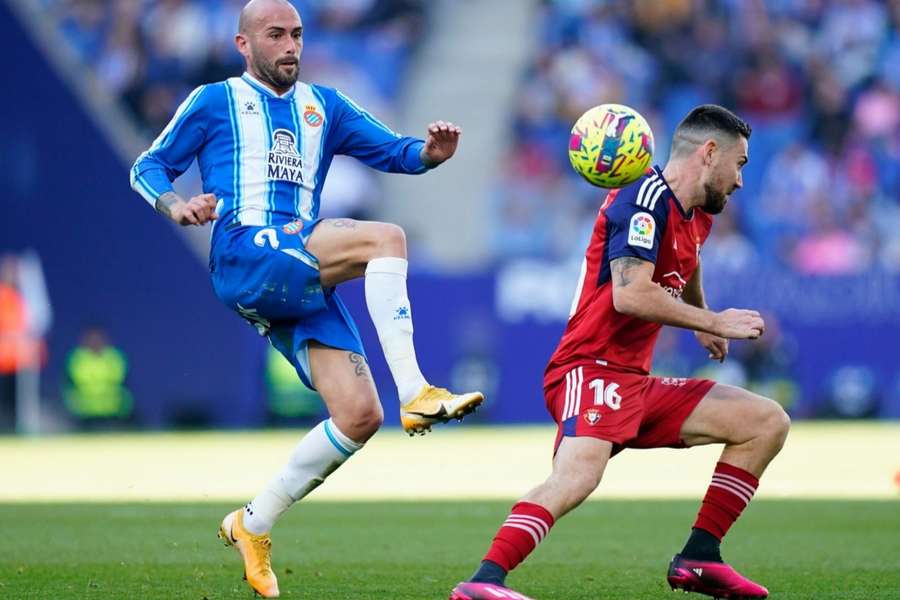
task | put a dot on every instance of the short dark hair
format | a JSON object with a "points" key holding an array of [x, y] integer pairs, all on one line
{"points": [[708, 121]]}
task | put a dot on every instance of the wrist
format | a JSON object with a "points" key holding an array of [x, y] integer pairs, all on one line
{"points": [[712, 322], [427, 161], [170, 205]]}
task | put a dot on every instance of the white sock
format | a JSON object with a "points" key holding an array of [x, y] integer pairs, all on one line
{"points": [[318, 455], [389, 308]]}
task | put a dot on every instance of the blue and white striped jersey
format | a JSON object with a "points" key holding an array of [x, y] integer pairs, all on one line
{"points": [[264, 156]]}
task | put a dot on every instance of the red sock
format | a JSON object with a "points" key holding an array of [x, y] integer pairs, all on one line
{"points": [[729, 493], [525, 527]]}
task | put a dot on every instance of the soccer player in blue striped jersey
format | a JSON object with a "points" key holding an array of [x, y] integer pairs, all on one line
{"points": [[264, 142]]}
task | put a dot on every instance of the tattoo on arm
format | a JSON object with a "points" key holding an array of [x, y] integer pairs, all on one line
{"points": [[361, 368], [621, 268], [165, 203]]}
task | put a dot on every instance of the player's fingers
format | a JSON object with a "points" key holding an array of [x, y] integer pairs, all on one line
{"points": [[721, 350], [190, 217]]}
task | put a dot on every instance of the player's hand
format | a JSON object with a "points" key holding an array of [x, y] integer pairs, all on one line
{"points": [[738, 324], [717, 346], [199, 210], [441, 143]]}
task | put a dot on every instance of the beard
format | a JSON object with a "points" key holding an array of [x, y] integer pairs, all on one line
{"points": [[715, 200], [272, 73]]}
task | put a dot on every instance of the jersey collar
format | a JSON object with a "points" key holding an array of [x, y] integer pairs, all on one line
{"points": [[264, 89], [687, 216]]}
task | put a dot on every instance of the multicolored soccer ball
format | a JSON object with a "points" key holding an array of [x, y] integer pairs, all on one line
{"points": [[611, 145]]}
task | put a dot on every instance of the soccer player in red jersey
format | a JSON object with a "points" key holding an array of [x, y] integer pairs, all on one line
{"points": [[642, 271]]}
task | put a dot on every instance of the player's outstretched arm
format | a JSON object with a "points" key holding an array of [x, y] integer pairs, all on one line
{"points": [[635, 294], [199, 210], [441, 143]]}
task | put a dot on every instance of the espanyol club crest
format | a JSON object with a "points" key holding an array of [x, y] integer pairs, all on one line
{"points": [[312, 117], [293, 227], [592, 415]]}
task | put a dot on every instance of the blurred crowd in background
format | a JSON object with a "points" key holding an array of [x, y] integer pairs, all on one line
{"points": [[818, 80]]}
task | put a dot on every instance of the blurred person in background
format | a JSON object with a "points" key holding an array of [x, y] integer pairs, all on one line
{"points": [[289, 401], [264, 143], [95, 395], [21, 347], [642, 271]]}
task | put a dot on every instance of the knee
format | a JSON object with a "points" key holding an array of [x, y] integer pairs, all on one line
{"points": [[387, 239], [362, 419], [776, 424]]}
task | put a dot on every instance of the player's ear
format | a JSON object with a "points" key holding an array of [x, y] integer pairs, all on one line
{"points": [[242, 44], [710, 147]]}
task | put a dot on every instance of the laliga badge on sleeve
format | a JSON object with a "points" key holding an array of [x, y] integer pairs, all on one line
{"points": [[641, 230]]}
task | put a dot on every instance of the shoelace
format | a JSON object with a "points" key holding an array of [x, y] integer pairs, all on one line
{"points": [[267, 557]]}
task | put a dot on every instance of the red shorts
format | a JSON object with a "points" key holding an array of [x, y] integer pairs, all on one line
{"points": [[627, 409]]}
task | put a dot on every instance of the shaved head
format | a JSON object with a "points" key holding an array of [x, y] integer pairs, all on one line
{"points": [[270, 38], [255, 12], [713, 142]]}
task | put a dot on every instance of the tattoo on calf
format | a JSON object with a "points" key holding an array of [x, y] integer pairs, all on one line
{"points": [[361, 368], [165, 202], [620, 268]]}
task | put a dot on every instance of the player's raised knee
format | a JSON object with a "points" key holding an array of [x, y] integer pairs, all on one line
{"points": [[387, 239], [773, 423], [779, 423]]}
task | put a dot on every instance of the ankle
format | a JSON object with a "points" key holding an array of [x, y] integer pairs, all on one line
{"points": [[702, 545], [489, 572]]}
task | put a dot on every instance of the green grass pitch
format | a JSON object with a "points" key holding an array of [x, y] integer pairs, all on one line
{"points": [[608, 549]]}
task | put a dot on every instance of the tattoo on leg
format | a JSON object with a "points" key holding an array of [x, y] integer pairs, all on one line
{"points": [[342, 223], [361, 368]]}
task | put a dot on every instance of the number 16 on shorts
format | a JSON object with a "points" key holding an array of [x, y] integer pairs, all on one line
{"points": [[606, 394]]}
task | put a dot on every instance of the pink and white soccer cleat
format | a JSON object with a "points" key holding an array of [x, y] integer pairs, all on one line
{"points": [[469, 590], [714, 579]]}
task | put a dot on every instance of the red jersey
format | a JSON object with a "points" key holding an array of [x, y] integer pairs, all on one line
{"points": [[644, 220]]}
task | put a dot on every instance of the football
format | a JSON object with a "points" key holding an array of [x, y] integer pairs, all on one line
{"points": [[611, 145]]}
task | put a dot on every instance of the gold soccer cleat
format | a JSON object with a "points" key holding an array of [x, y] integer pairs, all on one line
{"points": [[256, 551], [436, 405]]}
